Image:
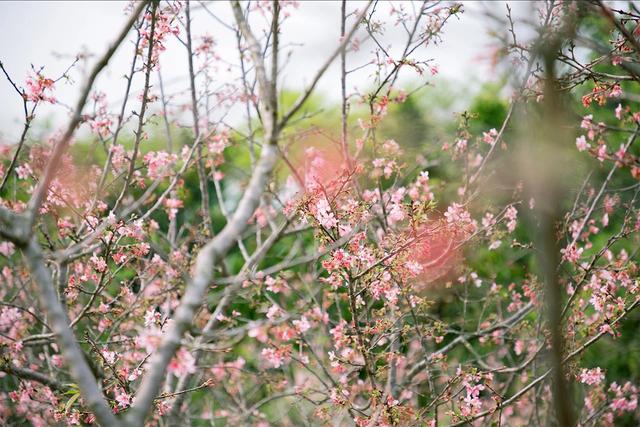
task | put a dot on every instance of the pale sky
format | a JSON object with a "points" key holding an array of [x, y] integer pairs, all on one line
{"points": [[50, 34]]}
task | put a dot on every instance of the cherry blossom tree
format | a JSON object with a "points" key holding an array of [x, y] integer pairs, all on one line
{"points": [[212, 256]]}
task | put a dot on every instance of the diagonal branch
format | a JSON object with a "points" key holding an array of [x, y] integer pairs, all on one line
{"points": [[210, 254], [18, 229], [61, 147], [217, 247]]}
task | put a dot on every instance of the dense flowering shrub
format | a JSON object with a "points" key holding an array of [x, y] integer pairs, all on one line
{"points": [[270, 272]]}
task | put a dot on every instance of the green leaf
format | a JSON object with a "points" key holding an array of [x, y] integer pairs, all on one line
{"points": [[71, 401]]}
